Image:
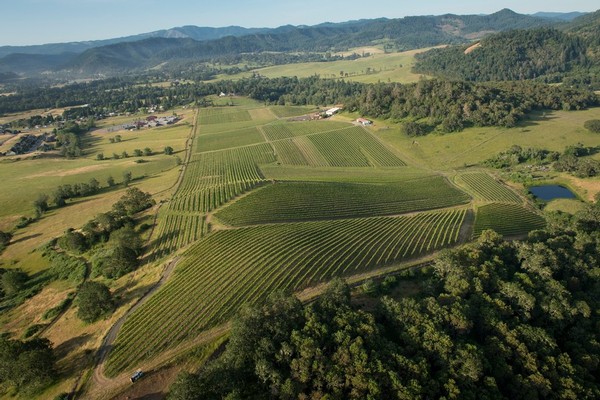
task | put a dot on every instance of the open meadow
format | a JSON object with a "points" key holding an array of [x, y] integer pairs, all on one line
{"points": [[377, 67], [25, 178]]}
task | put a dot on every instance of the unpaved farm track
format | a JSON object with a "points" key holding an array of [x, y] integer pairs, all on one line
{"points": [[110, 337]]}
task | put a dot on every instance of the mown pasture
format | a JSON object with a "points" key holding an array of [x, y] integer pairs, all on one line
{"points": [[378, 67], [551, 131], [25, 178], [232, 267]]}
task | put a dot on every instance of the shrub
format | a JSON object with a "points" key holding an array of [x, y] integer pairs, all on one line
{"points": [[592, 125]]}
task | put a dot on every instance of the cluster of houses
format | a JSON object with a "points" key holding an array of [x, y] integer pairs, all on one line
{"points": [[30, 143], [152, 121], [4, 130]]}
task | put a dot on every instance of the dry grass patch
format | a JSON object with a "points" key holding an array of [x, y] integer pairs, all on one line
{"points": [[33, 309]]}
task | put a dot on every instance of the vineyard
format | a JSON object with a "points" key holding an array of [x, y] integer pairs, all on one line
{"points": [[506, 219], [487, 188], [288, 111], [296, 201], [211, 116], [288, 130], [225, 140], [229, 268], [211, 180], [267, 205], [348, 147]]}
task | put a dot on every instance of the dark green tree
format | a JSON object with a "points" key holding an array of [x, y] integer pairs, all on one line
{"points": [[133, 201], [27, 366], [40, 204], [126, 178], [5, 238], [110, 181], [13, 281], [94, 301]]}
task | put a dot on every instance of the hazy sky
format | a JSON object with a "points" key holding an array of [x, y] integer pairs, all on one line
{"points": [[51, 21]]}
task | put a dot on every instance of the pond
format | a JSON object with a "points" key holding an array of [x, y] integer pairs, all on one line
{"points": [[551, 192]]}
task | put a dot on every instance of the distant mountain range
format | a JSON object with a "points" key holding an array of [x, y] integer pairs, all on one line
{"points": [[191, 32], [148, 50], [559, 16]]}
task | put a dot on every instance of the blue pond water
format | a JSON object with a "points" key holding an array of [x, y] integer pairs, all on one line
{"points": [[551, 192]]}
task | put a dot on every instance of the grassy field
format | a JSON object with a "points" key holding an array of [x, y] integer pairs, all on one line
{"points": [[24, 180], [392, 67], [474, 145]]}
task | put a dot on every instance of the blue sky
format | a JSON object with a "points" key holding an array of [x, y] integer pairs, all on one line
{"points": [[27, 22]]}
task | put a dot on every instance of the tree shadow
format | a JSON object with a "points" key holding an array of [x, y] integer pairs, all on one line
{"points": [[535, 118], [65, 348], [153, 396], [25, 238], [124, 295]]}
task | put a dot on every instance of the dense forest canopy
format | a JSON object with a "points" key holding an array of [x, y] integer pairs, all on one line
{"points": [[569, 55], [496, 320], [514, 55]]}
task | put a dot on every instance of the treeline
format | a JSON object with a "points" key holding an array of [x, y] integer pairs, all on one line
{"points": [[572, 160], [496, 320], [111, 237], [447, 104], [507, 56]]}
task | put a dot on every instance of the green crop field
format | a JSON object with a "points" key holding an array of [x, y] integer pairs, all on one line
{"points": [[354, 147], [299, 201], [506, 219], [223, 116], [229, 268], [288, 130], [317, 144], [289, 111], [225, 140], [211, 180], [487, 188]]}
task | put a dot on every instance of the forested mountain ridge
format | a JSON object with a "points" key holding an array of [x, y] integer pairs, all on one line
{"points": [[551, 54], [513, 55], [400, 34], [559, 16], [193, 43]]}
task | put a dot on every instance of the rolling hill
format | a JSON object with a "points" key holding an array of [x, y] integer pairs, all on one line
{"points": [[194, 43], [550, 54]]}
